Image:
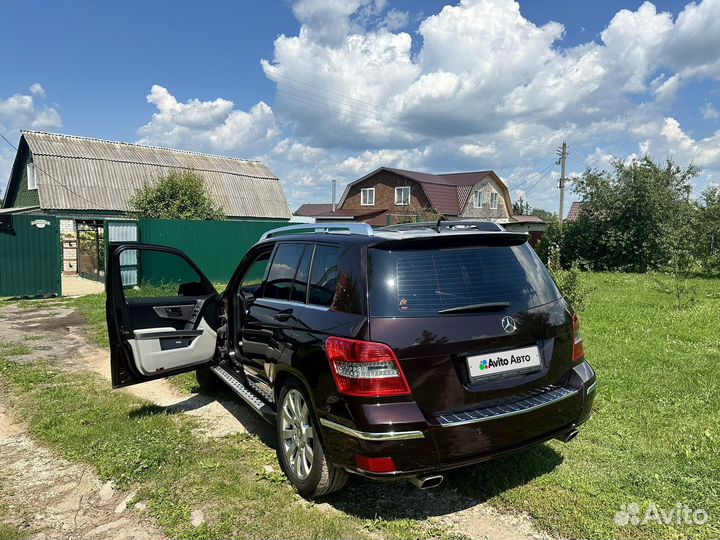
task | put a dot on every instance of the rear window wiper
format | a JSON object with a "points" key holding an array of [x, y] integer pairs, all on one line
{"points": [[472, 308]]}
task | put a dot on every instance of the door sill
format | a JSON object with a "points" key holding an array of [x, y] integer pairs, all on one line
{"points": [[256, 403]]}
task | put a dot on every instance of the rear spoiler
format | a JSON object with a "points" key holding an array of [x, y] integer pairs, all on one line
{"points": [[399, 240]]}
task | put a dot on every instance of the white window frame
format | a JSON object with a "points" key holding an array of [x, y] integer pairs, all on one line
{"points": [[370, 192], [478, 198], [399, 200], [31, 178], [494, 200]]}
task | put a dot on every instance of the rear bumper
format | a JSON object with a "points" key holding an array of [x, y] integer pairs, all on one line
{"points": [[428, 445]]}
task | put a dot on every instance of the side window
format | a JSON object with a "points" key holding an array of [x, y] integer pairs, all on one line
{"points": [[252, 279], [493, 200], [324, 275], [282, 271], [159, 274], [299, 288]]}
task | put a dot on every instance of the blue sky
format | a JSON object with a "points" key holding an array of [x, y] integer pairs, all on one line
{"points": [[323, 89]]}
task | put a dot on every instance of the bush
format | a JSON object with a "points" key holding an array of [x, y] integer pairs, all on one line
{"points": [[571, 282], [179, 195]]}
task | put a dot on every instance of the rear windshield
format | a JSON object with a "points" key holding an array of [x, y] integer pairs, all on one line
{"points": [[421, 283]]}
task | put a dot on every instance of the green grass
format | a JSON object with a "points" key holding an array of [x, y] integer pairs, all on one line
{"points": [[140, 445], [655, 434], [654, 437], [9, 348]]}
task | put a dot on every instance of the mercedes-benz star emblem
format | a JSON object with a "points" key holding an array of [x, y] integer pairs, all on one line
{"points": [[508, 324]]}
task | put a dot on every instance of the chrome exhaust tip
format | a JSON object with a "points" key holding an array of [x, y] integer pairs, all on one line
{"points": [[427, 482], [569, 436]]}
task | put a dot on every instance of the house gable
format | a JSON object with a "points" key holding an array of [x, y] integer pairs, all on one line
{"points": [[488, 185], [17, 194], [384, 182]]}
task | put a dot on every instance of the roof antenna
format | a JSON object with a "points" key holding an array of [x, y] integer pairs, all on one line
{"points": [[437, 227]]}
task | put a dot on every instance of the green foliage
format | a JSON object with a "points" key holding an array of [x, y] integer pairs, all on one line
{"points": [[708, 230], [628, 216], [179, 195], [552, 237], [571, 282], [543, 214], [521, 207]]}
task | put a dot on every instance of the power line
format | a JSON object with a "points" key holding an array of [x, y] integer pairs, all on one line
{"points": [[532, 176], [538, 181]]}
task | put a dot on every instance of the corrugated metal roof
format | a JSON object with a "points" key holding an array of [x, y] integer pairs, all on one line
{"points": [[77, 173]]}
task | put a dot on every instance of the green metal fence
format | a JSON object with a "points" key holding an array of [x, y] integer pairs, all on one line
{"points": [[30, 256], [215, 246]]}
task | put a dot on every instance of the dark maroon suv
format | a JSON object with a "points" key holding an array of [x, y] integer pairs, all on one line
{"points": [[394, 353]]}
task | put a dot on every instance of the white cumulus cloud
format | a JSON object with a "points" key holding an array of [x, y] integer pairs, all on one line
{"points": [[213, 126], [23, 111]]}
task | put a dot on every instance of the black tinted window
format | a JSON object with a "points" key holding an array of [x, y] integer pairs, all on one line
{"points": [[324, 275], [421, 283], [282, 271], [252, 279], [299, 288]]}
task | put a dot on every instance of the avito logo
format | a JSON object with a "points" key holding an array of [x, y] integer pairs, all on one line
{"points": [[498, 362]]}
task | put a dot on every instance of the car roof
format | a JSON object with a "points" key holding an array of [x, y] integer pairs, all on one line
{"points": [[360, 233]]}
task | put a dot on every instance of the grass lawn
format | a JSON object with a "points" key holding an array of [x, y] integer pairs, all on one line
{"points": [[655, 434], [654, 438]]}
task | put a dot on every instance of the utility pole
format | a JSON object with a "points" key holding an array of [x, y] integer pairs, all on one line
{"points": [[333, 195], [563, 153]]}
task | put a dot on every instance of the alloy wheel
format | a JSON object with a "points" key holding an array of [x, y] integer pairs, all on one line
{"points": [[297, 434]]}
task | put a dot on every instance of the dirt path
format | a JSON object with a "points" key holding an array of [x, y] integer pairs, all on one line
{"points": [[63, 343], [58, 499]]}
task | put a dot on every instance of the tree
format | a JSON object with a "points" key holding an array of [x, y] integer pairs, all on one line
{"points": [[708, 232], [179, 195], [630, 216], [521, 207], [543, 214]]}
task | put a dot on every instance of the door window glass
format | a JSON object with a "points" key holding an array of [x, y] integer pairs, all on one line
{"points": [[252, 279], [324, 275], [299, 288], [282, 271], [161, 274]]}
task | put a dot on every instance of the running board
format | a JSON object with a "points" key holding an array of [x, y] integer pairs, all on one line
{"points": [[247, 395]]}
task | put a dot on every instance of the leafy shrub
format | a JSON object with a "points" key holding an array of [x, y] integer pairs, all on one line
{"points": [[571, 282], [179, 195]]}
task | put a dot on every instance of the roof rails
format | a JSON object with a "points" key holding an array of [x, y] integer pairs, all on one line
{"points": [[326, 228], [450, 225]]}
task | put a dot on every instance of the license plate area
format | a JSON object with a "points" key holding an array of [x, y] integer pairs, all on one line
{"points": [[500, 364]]}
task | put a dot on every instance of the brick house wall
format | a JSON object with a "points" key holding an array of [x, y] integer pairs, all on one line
{"points": [[385, 183], [487, 185]]}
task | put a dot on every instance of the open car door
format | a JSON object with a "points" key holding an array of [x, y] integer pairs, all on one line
{"points": [[162, 313]]}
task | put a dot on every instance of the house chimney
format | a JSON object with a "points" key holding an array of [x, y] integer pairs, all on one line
{"points": [[333, 195]]}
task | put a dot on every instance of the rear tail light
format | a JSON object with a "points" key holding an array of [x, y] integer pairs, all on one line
{"points": [[375, 464], [364, 368], [578, 351]]}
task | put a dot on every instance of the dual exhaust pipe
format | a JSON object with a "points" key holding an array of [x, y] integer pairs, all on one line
{"points": [[434, 480]]}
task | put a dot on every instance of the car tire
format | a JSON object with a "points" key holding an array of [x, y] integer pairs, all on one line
{"points": [[295, 416], [207, 380]]}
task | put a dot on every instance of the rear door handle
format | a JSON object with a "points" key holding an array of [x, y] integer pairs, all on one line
{"points": [[173, 311], [284, 315]]}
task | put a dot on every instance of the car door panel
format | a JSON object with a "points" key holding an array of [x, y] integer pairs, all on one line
{"points": [[154, 335], [156, 350]]}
